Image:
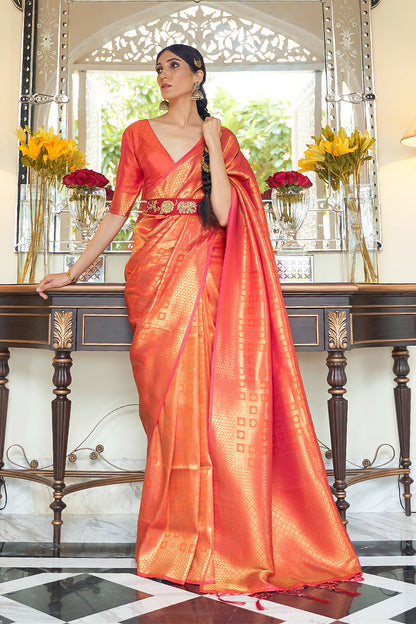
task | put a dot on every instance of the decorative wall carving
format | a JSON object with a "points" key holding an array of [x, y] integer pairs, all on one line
{"points": [[222, 37]]}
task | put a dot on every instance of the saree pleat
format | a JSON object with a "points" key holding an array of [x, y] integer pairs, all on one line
{"points": [[175, 530], [235, 496]]}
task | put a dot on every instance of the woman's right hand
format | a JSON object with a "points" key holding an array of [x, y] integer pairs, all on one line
{"points": [[109, 227], [55, 280]]}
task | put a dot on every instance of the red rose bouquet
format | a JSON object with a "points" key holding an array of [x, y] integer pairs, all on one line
{"points": [[289, 180], [267, 194], [87, 201], [290, 203], [85, 179], [109, 194]]}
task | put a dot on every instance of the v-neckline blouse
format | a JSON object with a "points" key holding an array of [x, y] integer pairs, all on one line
{"points": [[176, 162], [147, 167]]}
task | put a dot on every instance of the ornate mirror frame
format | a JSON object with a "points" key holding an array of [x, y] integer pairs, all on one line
{"points": [[347, 40]]}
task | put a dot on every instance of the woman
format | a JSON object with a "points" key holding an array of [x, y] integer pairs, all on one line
{"points": [[235, 497]]}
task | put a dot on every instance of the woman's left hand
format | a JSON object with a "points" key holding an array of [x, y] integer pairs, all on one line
{"points": [[211, 129]]}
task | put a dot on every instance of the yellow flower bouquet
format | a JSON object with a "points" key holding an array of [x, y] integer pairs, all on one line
{"points": [[49, 157], [337, 159]]}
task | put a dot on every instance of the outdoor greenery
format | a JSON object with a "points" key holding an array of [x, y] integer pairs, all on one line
{"points": [[126, 98], [261, 125]]}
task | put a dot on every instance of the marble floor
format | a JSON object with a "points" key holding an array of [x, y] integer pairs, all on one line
{"points": [[92, 579]]}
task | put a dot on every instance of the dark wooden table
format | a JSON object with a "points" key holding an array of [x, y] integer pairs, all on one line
{"points": [[323, 317]]}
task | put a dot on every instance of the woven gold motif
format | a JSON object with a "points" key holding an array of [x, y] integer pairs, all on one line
{"points": [[152, 205], [175, 206], [187, 207], [166, 207]]}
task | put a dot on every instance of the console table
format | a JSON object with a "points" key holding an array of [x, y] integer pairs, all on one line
{"points": [[323, 317]]}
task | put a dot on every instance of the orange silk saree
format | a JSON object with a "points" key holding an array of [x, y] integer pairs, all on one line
{"points": [[235, 497]]}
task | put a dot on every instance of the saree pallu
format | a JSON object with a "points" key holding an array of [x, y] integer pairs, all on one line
{"points": [[235, 497]]}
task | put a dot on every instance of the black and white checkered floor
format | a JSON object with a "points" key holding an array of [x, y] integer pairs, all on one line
{"points": [[96, 584]]}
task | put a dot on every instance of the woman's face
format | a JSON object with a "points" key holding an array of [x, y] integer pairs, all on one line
{"points": [[174, 76]]}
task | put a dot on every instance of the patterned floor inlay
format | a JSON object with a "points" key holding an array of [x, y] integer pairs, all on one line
{"points": [[41, 596], [97, 584]]}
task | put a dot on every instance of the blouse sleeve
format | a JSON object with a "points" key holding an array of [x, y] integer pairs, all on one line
{"points": [[129, 180]]}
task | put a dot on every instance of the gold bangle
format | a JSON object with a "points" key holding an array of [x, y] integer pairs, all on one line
{"points": [[71, 277]]}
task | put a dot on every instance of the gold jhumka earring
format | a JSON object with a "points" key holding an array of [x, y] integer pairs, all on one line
{"points": [[164, 105], [197, 93]]}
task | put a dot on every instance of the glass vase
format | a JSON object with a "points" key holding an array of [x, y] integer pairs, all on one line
{"points": [[87, 207], [290, 208], [34, 228], [360, 255]]}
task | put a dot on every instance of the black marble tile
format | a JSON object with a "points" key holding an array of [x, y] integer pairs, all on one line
{"points": [[408, 617], [11, 574], [340, 605], [387, 548], [35, 549], [406, 574], [203, 610], [370, 595], [77, 596]]}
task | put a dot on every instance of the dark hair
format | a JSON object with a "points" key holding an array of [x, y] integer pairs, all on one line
{"points": [[194, 59]]}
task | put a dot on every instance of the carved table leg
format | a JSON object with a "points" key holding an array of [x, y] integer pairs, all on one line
{"points": [[4, 399], [402, 400], [337, 411], [61, 410]]}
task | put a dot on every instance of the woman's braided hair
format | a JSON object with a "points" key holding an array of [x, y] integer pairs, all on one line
{"points": [[194, 59]]}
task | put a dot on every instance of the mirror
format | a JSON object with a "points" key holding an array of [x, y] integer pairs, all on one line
{"points": [[316, 53]]}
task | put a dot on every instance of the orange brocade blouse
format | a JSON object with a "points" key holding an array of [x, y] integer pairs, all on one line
{"points": [[268, 519]]}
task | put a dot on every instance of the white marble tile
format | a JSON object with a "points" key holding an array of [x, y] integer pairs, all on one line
{"points": [[382, 611], [144, 584], [378, 495], [394, 560], [122, 528], [162, 596], [390, 583], [76, 528], [124, 612], [21, 614], [366, 619], [33, 581], [381, 526], [27, 497], [26, 528], [68, 562]]}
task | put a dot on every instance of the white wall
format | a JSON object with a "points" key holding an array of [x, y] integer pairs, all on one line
{"points": [[10, 42], [101, 383]]}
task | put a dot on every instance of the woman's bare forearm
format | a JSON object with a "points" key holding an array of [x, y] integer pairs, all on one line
{"points": [[107, 231], [220, 184], [109, 228]]}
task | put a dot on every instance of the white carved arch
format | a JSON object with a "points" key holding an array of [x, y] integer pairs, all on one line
{"points": [[235, 35]]}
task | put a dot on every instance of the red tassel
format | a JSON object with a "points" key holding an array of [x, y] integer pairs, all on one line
{"points": [[323, 600], [259, 606], [346, 591], [235, 602]]}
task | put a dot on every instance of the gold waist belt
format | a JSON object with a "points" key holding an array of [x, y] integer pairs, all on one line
{"points": [[175, 206]]}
